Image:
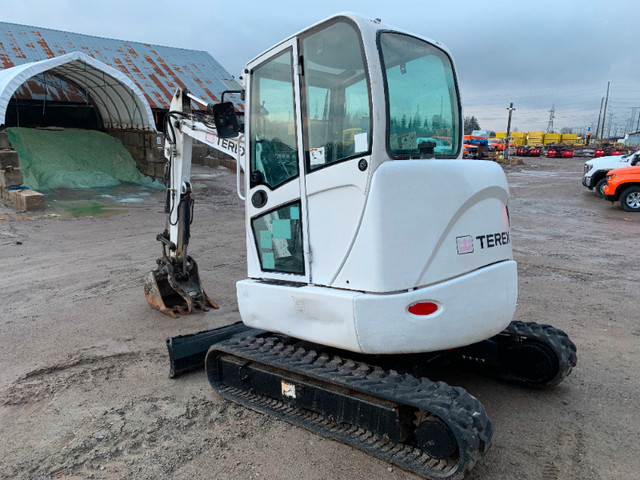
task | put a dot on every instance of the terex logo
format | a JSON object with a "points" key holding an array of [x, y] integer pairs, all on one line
{"points": [[493, 239]]}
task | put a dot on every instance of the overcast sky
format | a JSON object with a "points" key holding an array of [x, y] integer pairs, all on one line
{"points": [[536, 54]]}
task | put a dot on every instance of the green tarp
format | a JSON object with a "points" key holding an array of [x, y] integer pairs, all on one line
{"points": [[51, 159]]}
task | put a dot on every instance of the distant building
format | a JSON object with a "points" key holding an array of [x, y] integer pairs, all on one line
{"points": [[156, 70]]}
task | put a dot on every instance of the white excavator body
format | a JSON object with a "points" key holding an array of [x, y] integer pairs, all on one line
{"points": [[366, 233], [354, 238]]}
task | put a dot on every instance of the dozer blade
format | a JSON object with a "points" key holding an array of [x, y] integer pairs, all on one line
{"points": [[173, 293], [187, 352]]}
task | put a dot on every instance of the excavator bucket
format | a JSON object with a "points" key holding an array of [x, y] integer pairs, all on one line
{"points": [[175, 293]]}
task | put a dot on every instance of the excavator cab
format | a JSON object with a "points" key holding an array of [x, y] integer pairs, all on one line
{"points": [[347, 225]]}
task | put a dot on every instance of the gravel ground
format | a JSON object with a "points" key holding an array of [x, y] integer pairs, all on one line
{"points": [[84, 388]]}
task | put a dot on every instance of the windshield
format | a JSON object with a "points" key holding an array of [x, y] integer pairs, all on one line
{"points": [[422, 97]]}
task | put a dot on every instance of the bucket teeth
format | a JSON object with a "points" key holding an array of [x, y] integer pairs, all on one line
{"points": [[209, 302]]}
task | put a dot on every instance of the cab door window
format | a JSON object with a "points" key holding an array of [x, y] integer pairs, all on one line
{"points": [[274, 151], [336, 92]]}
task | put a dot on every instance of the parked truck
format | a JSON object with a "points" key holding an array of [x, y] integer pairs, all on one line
{"points": [[623, 184], [596, 169]]}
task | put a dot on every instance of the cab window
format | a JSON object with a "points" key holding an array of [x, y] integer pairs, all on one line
{"points": [[422, 97], [274, 151], [336, 96]]}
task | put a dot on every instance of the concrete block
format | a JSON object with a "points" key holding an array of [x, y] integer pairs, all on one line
{"points": [[154, 156], [146, 168], [26, 200], [158, 172], [10, 177], [115, 134], [153, 140], [200, 150], [134, 151], [229, 163], [208, 161], [9, 158], [128, 139], [4, 140]]}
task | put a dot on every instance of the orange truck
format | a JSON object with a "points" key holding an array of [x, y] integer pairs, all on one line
{"points": [[623, 184], [498, 143]]}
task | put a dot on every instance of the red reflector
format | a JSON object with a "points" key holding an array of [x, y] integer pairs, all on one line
{"points": [[423, 308]]}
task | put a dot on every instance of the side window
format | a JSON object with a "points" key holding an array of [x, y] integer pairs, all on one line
{"points": [[336, 93], [274, 152], [278, 236]]}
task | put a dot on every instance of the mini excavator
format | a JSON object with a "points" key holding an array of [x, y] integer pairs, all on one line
{"points": [[372, 256]]}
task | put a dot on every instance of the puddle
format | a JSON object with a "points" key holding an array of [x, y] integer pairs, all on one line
{"points": [[534, 173], [67, 210], [204, 176], [65, 204], [15, 217]]}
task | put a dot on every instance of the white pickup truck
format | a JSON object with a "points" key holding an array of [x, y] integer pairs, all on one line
{"points": [[595, 170]]}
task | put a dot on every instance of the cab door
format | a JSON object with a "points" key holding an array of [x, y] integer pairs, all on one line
{"points": [[276, 218], [337, 108]]}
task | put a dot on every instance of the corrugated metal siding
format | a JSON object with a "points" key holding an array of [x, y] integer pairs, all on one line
{"points": [[157, 70]]}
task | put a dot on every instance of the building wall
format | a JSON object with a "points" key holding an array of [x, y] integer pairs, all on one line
{"points": [[147, 151], [634, 139], [145, 148]]}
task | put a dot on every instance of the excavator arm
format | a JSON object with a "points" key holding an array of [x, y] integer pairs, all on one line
{"points": [[174, 287]]}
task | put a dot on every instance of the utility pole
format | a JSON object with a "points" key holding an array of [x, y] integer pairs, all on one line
{"points": [[507, 142], [604, 115], [599, 116]]}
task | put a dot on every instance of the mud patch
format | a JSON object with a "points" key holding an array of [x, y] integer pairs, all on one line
{"points": [[49, 381], [147, 438]]}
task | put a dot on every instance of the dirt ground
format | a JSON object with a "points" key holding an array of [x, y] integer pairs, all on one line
{"points": [[84, 386]]}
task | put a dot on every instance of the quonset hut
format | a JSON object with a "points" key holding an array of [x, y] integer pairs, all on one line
{"points": [[70, 80]]}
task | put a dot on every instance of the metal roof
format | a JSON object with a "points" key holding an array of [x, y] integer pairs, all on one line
{"points": [[119, 100], [155, 69]]}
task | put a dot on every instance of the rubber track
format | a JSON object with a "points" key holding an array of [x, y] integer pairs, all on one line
{"points": [[462, 412], [555, 339]]}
